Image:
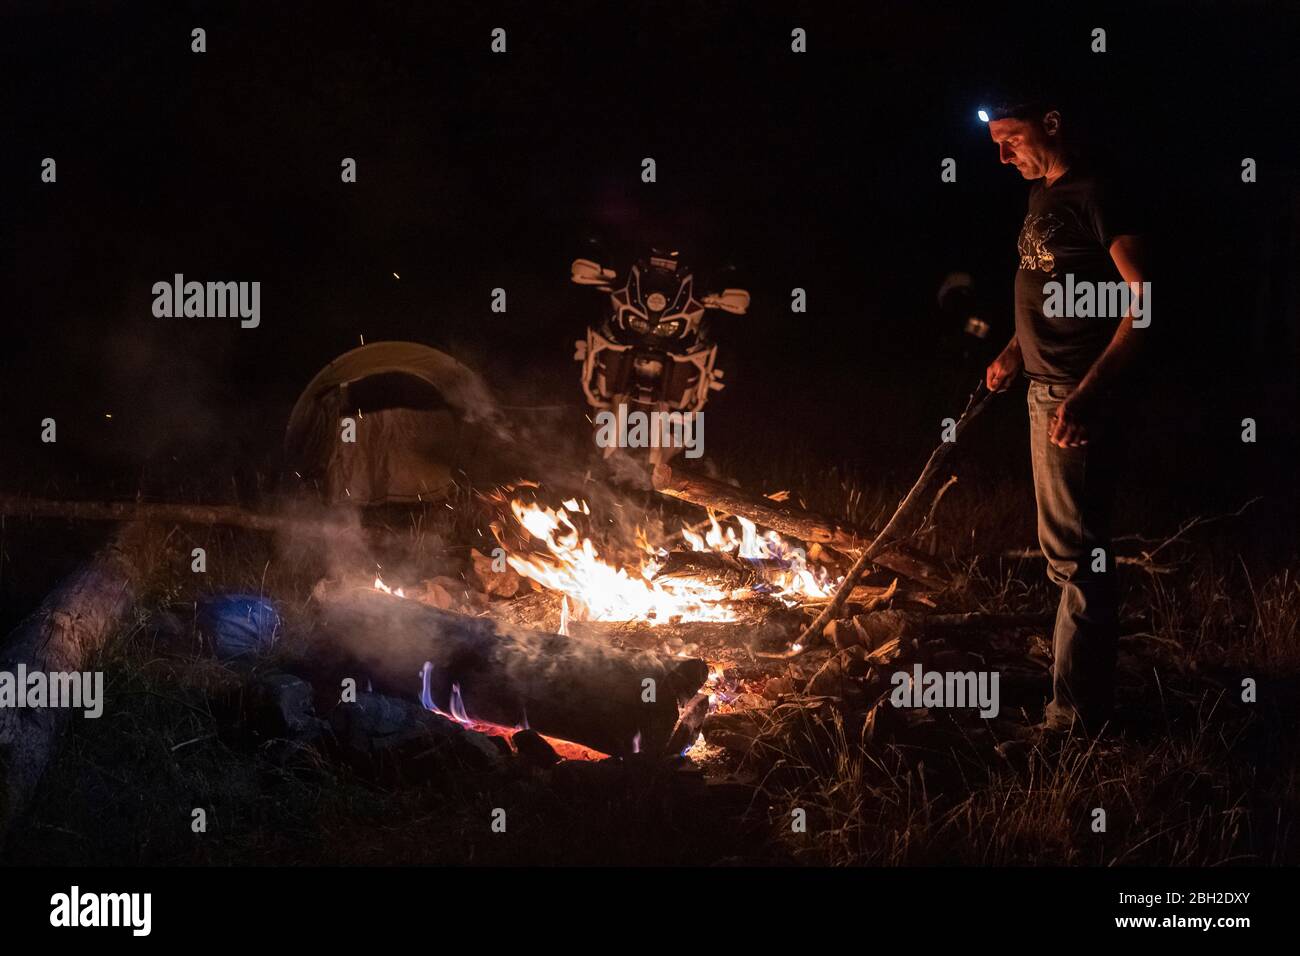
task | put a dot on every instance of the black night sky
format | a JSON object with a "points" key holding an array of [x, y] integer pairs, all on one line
{"points": [[475, 171]]}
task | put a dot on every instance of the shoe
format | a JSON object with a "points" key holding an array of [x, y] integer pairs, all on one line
{"points": [[1045, 737]]}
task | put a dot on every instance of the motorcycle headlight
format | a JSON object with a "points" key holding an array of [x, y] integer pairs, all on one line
{"points": [[637, 323], [670, 330]]}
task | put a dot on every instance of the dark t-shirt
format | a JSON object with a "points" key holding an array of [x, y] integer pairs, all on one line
{"points": [[1067, 231]]}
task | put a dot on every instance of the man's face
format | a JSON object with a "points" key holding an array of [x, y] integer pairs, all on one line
{"points": [[1026, 144]]}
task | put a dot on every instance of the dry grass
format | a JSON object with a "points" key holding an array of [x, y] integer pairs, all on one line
{"points": [[1195, 777]]}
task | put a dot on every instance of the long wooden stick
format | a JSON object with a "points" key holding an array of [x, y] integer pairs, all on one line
{"points": [[812, 633], [162, 512]]}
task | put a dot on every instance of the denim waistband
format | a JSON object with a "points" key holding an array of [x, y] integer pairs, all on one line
{"points": [[1044, 391]]}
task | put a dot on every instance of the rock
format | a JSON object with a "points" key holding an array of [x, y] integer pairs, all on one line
{"points": [[844, 676], [842, 633], [273, 706], [779, 687], [831, 680], [534, 750], [395, 738], [447, 593], [504, 583], [436, 595], [854, 660], [280, 705], [570, 778], [880, 627], [735, 731]]}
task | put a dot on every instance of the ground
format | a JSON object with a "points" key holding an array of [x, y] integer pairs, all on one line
{"points": [[1193, 775]]}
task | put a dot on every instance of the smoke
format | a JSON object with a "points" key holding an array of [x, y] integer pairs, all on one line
{"points": [[324, 541]]}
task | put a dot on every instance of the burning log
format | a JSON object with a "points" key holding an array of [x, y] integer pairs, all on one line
{"points": [[722, 568], [617, 702], [59, 639], [794, 522], [715, 564]]}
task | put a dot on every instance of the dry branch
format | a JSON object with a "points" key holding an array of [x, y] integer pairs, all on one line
{"points": [[162, 512], [893, 529], [1146, 559], [794, 522]]}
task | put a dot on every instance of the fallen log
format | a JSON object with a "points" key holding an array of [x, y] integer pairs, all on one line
{"points": [[795, 522], [165, 513], [484, 670], [61, 637], [321, 532]]}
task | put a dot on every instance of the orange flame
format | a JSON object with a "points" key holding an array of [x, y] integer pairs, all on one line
{"points": [[599, 591]]}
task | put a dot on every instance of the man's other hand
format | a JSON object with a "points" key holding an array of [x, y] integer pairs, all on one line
{"points": [[1068, 428], [1002, 371]]}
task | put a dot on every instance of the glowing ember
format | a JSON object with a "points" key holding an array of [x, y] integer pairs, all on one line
{"points": [[564, 748]]}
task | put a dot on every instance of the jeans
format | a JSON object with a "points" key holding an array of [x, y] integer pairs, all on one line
{"points": [[1074, 488]]}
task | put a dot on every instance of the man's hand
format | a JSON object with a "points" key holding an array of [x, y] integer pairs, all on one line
{"points": [[1069, 429], [1002, 371]]}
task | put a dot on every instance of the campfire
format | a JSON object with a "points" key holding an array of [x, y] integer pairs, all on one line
{"points": [[661, 588], [619, 606], [710, 575]]}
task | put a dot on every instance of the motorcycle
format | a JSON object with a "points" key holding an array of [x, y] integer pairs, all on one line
{"points": [[652, 353]]}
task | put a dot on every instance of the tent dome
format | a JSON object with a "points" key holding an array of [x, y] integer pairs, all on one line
{"points": [[390, 422]]}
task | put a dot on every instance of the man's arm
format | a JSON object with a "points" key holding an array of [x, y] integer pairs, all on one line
{"points": [[1003, 370], [1070, 428]]}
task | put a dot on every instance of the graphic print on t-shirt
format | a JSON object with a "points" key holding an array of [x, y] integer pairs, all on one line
{"points": [[1035, 234]]}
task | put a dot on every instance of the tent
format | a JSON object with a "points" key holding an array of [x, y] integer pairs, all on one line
{"points": [[390, 422]]}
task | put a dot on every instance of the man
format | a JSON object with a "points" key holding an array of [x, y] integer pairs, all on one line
{"points": [[1074, 229]]}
